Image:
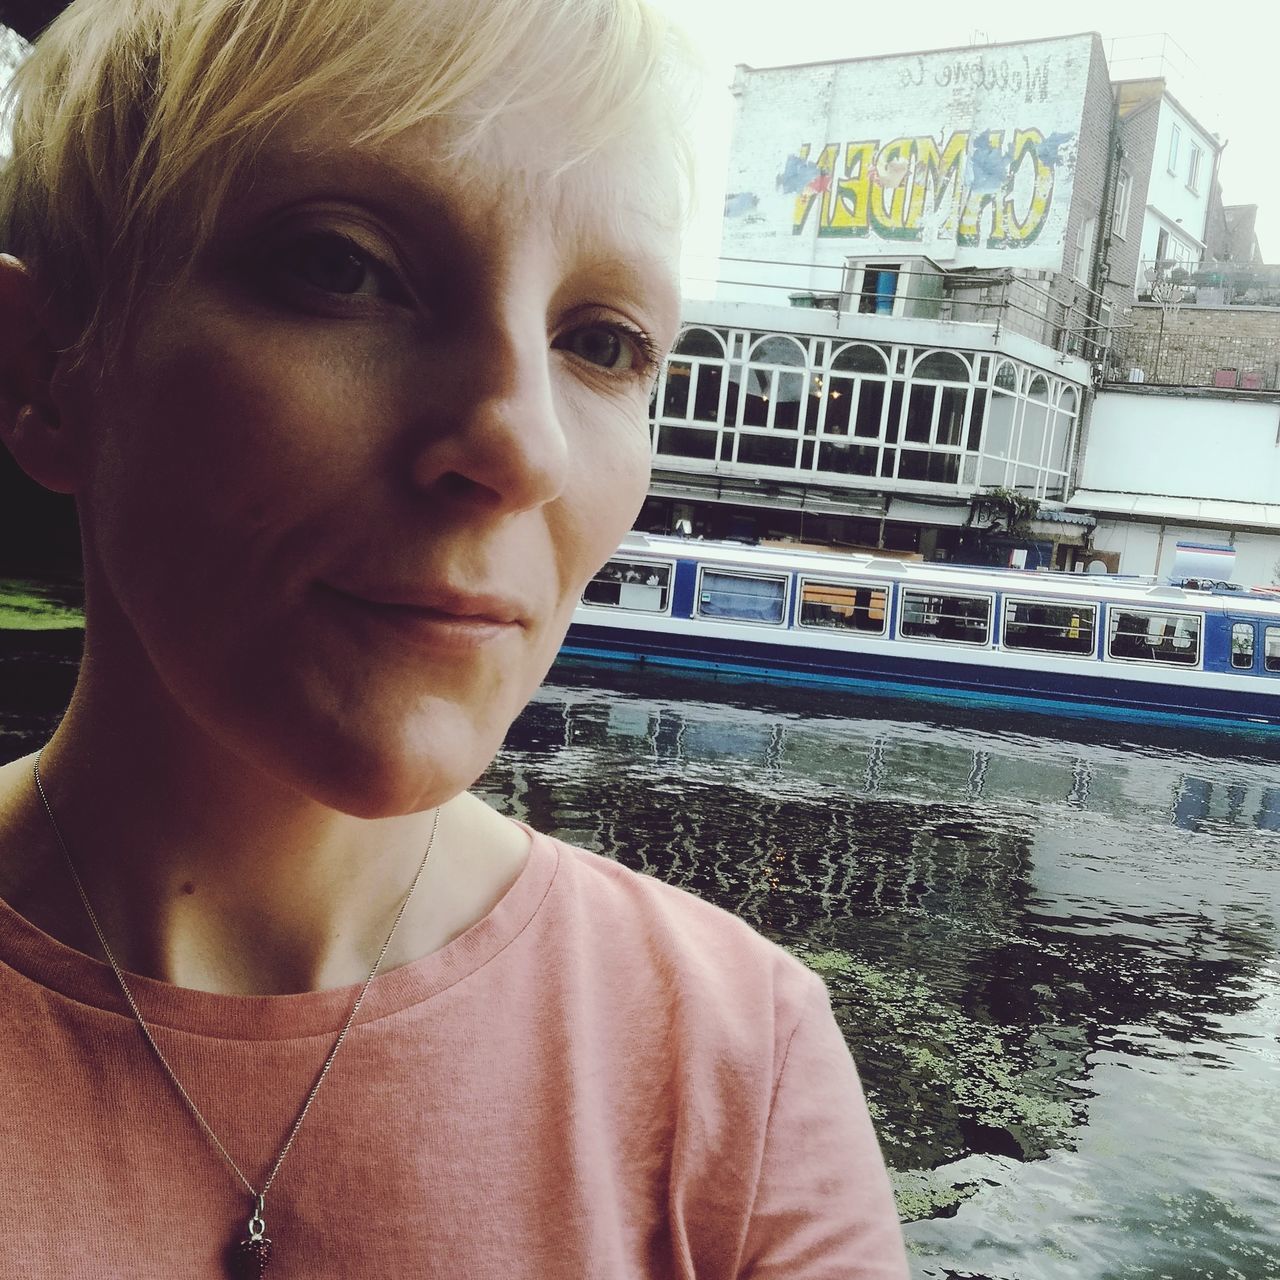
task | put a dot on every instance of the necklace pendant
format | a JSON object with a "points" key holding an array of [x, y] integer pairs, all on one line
{"points": [[250, 1257]]}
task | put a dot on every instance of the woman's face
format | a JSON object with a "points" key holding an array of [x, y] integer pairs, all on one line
{"points": [[346, 485]]}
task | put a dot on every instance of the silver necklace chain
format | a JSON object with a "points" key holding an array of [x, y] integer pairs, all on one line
{"points": [[256, 1222]]}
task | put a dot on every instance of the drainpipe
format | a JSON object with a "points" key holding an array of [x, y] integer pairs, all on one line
{"points": [[1100, 269]]}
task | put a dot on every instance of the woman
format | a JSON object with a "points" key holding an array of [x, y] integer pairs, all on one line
{"points": [[339, 319]]}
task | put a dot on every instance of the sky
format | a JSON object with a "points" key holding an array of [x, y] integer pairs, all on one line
{"points": [[1222, 61]]}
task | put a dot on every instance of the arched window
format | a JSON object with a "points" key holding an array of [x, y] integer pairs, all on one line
{"points": [[700, 342], [854, 392], [857, 358], [1039, 389], [945, 366], [936, 415], [776, 386], [1007, 378], [777, 348]]}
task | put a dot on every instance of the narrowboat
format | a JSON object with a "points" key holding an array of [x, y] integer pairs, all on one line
{"points": [[1199, 650]]}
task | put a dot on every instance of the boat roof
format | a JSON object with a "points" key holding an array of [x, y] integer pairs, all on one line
{"points": [[1149, 593]]}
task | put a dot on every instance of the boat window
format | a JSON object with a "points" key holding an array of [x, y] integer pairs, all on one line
{"points": [[1271, 650], [1049, 626], [1242, 645], [741, 596], [843, 606], [933, 615], [630, 584], [1155, 637]]}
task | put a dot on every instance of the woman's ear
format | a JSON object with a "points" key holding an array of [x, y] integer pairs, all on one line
{"points": [[31, 425]]}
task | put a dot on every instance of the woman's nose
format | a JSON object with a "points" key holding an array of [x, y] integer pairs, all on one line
{"points": [[495, 435]]}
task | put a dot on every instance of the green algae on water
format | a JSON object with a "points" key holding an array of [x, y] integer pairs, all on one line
{"points": [[950, 1081]]}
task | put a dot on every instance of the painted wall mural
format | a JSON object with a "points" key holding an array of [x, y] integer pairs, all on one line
{"points": [[966, 157]]}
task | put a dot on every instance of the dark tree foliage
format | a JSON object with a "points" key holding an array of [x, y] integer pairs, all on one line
{"points": [[29, 17], [37, 529]]}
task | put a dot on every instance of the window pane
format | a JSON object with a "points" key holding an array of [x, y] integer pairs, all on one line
{"points": [[733, 595], [1271, 649], [848, 460], [1049, 628], [928, 615], [768, 450], [879, 285], [840, 393], [891, 427], [790, 389], [700, 342], [975, 419], [1155, 637], [860, 359], [630, 584], [755, 404], [843, 606], [778, 349], [944, 366], [938, 468], [870, 409], [706, 397], [687, 442], [951, 415], [920, 413], [1242, 645], [675, 404]]}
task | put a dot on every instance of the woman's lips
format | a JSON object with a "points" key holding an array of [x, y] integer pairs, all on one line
{"points": [[441, 620]]}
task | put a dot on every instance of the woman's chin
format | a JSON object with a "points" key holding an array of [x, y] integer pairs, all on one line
{"points": [[399, 769]]}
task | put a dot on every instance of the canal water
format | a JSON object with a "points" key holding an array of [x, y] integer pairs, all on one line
{"points": [[1051, 943]]}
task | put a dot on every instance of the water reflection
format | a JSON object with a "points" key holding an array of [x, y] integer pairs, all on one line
{"points": [[1009, 923]]}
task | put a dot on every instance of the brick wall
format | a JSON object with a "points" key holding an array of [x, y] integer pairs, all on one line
{"points": [[1197, 343], [1088, 190], [1138, 129]]}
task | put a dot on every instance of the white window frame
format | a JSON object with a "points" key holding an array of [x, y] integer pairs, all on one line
{"points": [[1083, 264], [669, 565], [1193, 170], [806, 581], [1267, 627], [1008, 600], [927, 589], [1114, 606], [855, 280], [1123, 203], [736, 571], [1175, 145]]}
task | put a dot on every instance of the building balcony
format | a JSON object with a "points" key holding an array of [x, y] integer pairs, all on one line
{"points": [[846, 408], [1183, 342]]}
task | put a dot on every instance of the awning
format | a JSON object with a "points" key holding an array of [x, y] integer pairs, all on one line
{"points": [[928, 512], [1183, 511], [1060, 515]]}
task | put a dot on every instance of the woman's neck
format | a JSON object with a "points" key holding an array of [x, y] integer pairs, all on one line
{"points": [[206, 874]]}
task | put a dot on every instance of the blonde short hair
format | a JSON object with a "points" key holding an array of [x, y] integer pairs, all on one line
{"points": [[132, 119]]}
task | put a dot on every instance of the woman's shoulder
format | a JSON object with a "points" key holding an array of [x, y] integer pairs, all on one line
{"points": [[636, 925]]}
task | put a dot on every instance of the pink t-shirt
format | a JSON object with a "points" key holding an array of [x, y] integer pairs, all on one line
{"points": [[603, 1079]]}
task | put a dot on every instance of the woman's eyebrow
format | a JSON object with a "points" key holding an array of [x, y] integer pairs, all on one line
{"points": [[647, 277], [376, 178]]}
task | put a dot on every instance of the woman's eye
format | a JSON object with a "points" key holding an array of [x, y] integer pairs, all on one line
{"points": [[613, 347], [599, 344], [332, 263]]}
